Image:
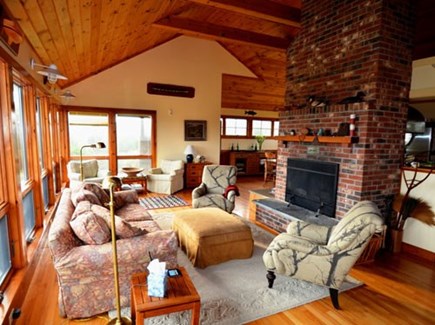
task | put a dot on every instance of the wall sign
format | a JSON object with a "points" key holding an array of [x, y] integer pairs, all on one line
{"points": [[170, 90]]}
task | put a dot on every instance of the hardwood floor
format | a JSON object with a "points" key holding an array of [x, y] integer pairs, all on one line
{"points": [[398, 289]]}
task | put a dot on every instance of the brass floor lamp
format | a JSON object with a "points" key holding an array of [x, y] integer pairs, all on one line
{"points": [[113, 183]]}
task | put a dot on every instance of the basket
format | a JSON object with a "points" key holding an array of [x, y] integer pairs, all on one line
{"points": [[369, 253]]}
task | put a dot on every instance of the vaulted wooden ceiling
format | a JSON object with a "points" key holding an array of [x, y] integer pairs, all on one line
{"points": [[86, 37]]}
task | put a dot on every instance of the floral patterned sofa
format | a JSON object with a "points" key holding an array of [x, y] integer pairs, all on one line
{"points": [[79, 241]]}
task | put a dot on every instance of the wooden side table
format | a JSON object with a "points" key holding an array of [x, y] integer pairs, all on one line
{"points": [[193, 173], [180, 295], [142, 180]]}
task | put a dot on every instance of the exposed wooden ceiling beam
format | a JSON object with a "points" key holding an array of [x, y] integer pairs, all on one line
{"points": [[218, 32], [268, 10]]}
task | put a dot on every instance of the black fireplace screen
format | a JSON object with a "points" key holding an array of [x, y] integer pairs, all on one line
{"points": [[312, 184]]}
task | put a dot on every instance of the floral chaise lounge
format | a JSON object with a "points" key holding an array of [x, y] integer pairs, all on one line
{"points": [[79, 241]]}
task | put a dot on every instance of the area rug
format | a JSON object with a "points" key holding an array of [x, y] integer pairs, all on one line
{"points": [[159, 202], [236, 292]]}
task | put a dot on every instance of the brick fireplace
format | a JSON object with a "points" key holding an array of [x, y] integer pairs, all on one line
{"points": [[345, 47]]}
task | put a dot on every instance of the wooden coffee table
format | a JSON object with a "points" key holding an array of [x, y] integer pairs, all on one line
{"points": [[180, 295], [142, 180]]}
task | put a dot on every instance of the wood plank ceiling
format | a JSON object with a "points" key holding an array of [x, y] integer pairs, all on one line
{"points": [[86, 37]]}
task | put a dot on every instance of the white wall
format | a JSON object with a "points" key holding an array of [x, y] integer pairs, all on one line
{"points": [[415, 232], [423, 85], [183, 61]]}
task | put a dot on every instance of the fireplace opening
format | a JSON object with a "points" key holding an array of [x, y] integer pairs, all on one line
{"points": [[312, 184]]}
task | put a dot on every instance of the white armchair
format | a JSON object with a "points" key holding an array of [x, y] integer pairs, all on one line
{"points": [[91, 172], [168, 178]]}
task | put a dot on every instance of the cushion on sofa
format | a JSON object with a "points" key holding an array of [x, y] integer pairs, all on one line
{"points": [[123, 229], [82, 195], [98, 190], [89, 227]]}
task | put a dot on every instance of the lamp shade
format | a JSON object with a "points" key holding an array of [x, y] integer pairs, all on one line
{"points": [[189, 152]]}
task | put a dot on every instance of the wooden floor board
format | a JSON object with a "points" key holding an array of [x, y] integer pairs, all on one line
{"points": [[398, 289]]}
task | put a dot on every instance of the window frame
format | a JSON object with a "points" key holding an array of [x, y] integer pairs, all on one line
{"points": [[249, 120], [112, 156]]}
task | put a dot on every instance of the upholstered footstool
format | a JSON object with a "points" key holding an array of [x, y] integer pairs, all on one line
{"points": [[211, 236]]}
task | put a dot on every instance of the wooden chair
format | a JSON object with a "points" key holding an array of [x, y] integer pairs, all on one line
{"points": [[269, 166]]}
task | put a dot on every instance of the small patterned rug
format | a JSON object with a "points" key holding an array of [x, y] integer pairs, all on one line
{"points": [[159, 202]]}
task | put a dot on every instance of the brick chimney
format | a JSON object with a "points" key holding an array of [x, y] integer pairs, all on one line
{"points": [[345, 47]]}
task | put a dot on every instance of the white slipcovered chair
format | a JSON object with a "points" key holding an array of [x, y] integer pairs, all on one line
{"points": [[91, 172], [167, 178], [320, 254]]}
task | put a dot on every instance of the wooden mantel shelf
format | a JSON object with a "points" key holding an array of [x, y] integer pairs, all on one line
{"points": [[313, 138]]}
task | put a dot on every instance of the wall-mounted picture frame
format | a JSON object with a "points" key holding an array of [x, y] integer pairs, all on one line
{"points": [[195, 130]]}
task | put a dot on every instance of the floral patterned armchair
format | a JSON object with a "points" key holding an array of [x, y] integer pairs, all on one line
{"points": [[217, 188], [320, 254]]}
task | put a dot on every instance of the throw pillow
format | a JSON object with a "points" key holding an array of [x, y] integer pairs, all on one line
{"points": [[123, 229], [84, 195], [88, 227], [155, 171], [99, 191]]}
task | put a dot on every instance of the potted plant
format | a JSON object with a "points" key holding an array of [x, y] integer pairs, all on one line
{"points": [[260, 139]]}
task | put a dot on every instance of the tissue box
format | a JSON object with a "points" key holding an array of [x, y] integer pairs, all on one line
{"points": [[157, 284]]}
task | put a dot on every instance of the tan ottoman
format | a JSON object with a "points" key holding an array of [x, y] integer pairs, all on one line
{"points": [[211, 236]]}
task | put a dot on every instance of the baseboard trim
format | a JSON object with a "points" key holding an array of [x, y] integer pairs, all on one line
{"points": [[419, 252]]}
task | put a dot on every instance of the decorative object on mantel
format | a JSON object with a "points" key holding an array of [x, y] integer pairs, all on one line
{"points": [[352, 126], [154, 88], [252, 113], [405, 207], [358, 98], [315, 101], [343, 130]]}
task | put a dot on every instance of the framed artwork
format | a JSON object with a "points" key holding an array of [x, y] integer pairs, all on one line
{"points": [[195, 130]]}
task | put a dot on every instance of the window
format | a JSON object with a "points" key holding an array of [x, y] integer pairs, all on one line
{"points": [[39, 120], [248, 127], [127, 134], [20, 122], [236, 126], [5, 256], [262, 127], [275, 128], [86, 128], [133, 138], [20, 132]]}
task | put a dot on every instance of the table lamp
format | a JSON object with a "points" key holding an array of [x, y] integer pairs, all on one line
{"points": [[189, 152], [98, 145]]}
